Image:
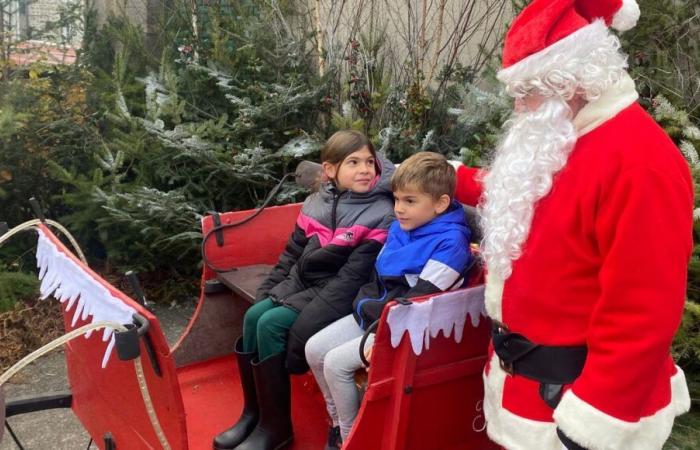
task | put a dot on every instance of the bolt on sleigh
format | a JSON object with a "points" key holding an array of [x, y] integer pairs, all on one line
{"points": [[423, 390]]}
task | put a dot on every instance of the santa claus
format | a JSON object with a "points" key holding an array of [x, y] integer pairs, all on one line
{"points": [[587, 217]]}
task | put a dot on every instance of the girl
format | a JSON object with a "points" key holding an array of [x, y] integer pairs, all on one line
{"points": [[329, 256]]}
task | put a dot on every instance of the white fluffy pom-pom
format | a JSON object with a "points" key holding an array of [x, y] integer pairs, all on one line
{"points": [[455, 164], [627, 16]]}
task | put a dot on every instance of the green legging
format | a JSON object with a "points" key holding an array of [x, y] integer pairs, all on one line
{"points": [[265, 328]]}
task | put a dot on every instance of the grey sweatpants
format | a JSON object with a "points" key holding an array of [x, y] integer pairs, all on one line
{"points": [[334, 355]]}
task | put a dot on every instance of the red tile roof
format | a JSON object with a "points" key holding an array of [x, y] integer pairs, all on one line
{"points": [[29, 52]]}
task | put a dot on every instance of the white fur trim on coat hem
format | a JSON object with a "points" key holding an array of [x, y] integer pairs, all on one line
{"points": [[510, 430], [626, 17], [597, 430], [680, 396]]}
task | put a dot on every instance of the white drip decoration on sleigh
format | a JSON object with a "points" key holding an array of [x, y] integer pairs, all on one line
{"points": [[65, 280], [446, 312]]}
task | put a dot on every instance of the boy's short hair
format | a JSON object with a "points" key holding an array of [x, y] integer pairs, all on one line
{"points": [[428, 172]]}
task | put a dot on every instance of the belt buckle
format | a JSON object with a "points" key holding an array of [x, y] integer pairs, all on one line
{"points": [[500, 327]]}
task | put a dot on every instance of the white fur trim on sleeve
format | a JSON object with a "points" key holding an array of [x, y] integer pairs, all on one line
{"points": [[597, 430], [626, 17]]}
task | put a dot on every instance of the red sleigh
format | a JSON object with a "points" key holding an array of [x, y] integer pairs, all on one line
{"points": [[426, 401]]}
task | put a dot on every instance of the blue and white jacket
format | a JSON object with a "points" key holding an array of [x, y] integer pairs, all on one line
{"points": [[432, 258]]}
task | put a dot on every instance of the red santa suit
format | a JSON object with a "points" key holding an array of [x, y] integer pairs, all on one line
{"points": [[604, 266]]}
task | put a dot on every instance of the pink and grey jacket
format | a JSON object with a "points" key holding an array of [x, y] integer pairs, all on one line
{"points": [[328, 257]]}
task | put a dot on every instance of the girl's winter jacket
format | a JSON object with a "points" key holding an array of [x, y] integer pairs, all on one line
{"points": [[328, 257], [431, 258]]}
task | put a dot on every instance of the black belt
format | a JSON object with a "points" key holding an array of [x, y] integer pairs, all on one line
{"points": [[551, 366]]}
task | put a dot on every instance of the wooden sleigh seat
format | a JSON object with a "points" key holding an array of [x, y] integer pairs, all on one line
{"points": [[244, 281]]}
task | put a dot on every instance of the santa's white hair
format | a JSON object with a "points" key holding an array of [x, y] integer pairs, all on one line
{"points": [[585, 63], [537, 144]]}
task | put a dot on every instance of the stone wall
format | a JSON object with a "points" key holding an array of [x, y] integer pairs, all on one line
{"points": [[400, 19], [136, 10], [403, 20], [145, 14], [40, 12]]}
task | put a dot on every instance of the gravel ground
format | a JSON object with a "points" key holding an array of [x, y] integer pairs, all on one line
{"points": [[59, 429]]}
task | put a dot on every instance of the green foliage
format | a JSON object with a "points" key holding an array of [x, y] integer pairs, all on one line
{"points": [[132, 152], [346, 120], [367, 79], [518, 5], [686, 135], [466, 127], [686, 428], [678, 125], [16, 286], [665, 53], [186, 134], [665, 63], [687, 343], [43, 118]]}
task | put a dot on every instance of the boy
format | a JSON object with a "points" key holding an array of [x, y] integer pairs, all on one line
{"points": [[427, 251]]}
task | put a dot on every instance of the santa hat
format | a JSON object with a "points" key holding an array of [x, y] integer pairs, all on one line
{"points": [[548, 30]]}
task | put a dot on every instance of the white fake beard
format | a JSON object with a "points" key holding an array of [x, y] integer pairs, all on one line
{"points": [[535, 147]]}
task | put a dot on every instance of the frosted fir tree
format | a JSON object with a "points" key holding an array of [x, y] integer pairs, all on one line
{"points": [[678, 125], [479, 118]]}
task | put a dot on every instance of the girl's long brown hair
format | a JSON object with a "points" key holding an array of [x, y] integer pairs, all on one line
{"points": [[342, 144]]}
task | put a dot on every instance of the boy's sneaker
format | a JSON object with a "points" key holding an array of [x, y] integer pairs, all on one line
{"points": [[334, 440]]}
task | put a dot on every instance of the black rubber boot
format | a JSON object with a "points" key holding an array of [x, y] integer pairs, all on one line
{"points": [[274, 429], [232, 437]]}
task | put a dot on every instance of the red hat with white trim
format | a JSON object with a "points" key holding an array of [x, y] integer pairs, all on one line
{"points": [[545, 23]]}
